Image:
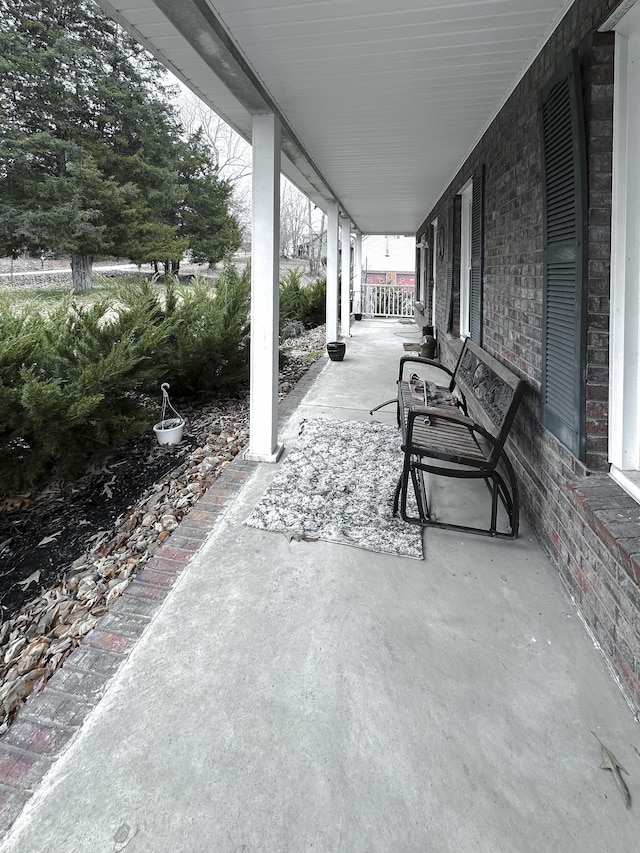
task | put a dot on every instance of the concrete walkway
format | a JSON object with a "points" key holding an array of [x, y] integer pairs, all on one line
{"points": [[294, 696]]}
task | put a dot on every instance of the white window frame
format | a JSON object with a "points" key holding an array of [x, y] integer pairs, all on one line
{"points": [[422, 281], [420, 314], [434, 272], [624, 329], [465, 259]]}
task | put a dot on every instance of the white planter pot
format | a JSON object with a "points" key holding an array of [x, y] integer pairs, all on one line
{"points": [[169, 431]]}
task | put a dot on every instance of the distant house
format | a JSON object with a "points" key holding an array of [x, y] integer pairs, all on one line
{"points": [[403, 279], [310, 245], [388, 259]]}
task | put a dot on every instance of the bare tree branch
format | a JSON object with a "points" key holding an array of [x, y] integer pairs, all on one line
{"points": [[229, 151]]}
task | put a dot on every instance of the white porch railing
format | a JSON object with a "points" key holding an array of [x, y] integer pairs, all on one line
{"points": [[387, 300]]}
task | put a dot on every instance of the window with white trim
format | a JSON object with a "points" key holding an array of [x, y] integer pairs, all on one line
{"points": [[423, 262], [624, 354], [434, 271], [465, 259]]}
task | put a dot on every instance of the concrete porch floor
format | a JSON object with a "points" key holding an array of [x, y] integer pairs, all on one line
{"points": [[293, 696]]}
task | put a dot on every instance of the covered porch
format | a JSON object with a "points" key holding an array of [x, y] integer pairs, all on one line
{"points": [[368, 109], [422, 117], [290, 695]]}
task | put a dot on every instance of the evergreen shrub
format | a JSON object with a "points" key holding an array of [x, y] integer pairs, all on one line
{"points": [[305, 303], [76, 382], [71, 384], [209, 344], [313, 309]]}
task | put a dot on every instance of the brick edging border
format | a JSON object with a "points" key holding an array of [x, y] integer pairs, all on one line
{"points": [[48, 721]]}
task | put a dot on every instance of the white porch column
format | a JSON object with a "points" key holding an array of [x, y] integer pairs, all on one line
{"points": [[345, 288], [332, 272], [357, 275], [265, 292]]}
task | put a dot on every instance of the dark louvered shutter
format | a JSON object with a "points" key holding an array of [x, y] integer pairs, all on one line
{"points": [[564, 224], [425, 296], [451, 219], [477, 256], [433, 255]]}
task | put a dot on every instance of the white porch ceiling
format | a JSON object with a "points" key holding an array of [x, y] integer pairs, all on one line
{"points": [[381, 100]]}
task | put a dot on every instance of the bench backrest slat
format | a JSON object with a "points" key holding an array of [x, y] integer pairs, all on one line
{"points": [[491, 390]]}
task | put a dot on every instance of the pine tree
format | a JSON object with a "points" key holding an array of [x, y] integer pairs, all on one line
{"points": [[92, 160], [79, 102], [205, 221]]}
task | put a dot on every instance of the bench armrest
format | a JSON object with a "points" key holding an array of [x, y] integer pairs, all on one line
{"points": [[418, 359], [444, 413]]}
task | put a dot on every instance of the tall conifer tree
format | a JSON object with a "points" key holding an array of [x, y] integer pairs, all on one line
{"points": [[92, 161]]}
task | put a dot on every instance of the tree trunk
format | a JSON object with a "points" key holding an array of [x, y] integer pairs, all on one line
{"points": [[310, 238], [81, 272], [315, 246], [170, 267]]}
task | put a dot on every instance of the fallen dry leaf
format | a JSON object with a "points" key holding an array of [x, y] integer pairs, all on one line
{"points": [[297, 536], [116, 590], [610, 762], [21, 688], [16, 503], [32, 654], [49, 539], [34, 577], [107, 491]]}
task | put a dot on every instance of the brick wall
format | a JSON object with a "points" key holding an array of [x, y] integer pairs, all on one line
{"points": [[597, 75], [574, 520]]}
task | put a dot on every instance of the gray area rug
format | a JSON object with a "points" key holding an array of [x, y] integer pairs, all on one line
{"points": [[337, 484]]}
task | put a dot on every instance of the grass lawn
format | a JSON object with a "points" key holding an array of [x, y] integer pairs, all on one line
{"points": [[49, 295]]}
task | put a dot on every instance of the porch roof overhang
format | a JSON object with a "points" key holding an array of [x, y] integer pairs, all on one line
{"points": [[380, 100]]}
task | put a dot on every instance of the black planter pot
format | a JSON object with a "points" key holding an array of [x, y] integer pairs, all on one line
{"points": [[357, 316], [336, 350]]}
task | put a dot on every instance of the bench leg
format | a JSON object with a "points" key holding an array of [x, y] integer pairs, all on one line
{"points": [[409, 472], [495, 482], [508, 495], [420, 491], [511, 496], [396, 496], [494, 506]]}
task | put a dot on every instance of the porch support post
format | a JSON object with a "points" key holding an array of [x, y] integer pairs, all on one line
{"points": [[345, 288], [265, 292], [332, 272], [357, 275]]}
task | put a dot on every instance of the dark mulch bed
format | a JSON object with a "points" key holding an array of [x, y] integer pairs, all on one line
{"points": [[41, 535]]}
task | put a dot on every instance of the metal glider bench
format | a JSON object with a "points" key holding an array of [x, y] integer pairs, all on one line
{"points": [[461, 436]]}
